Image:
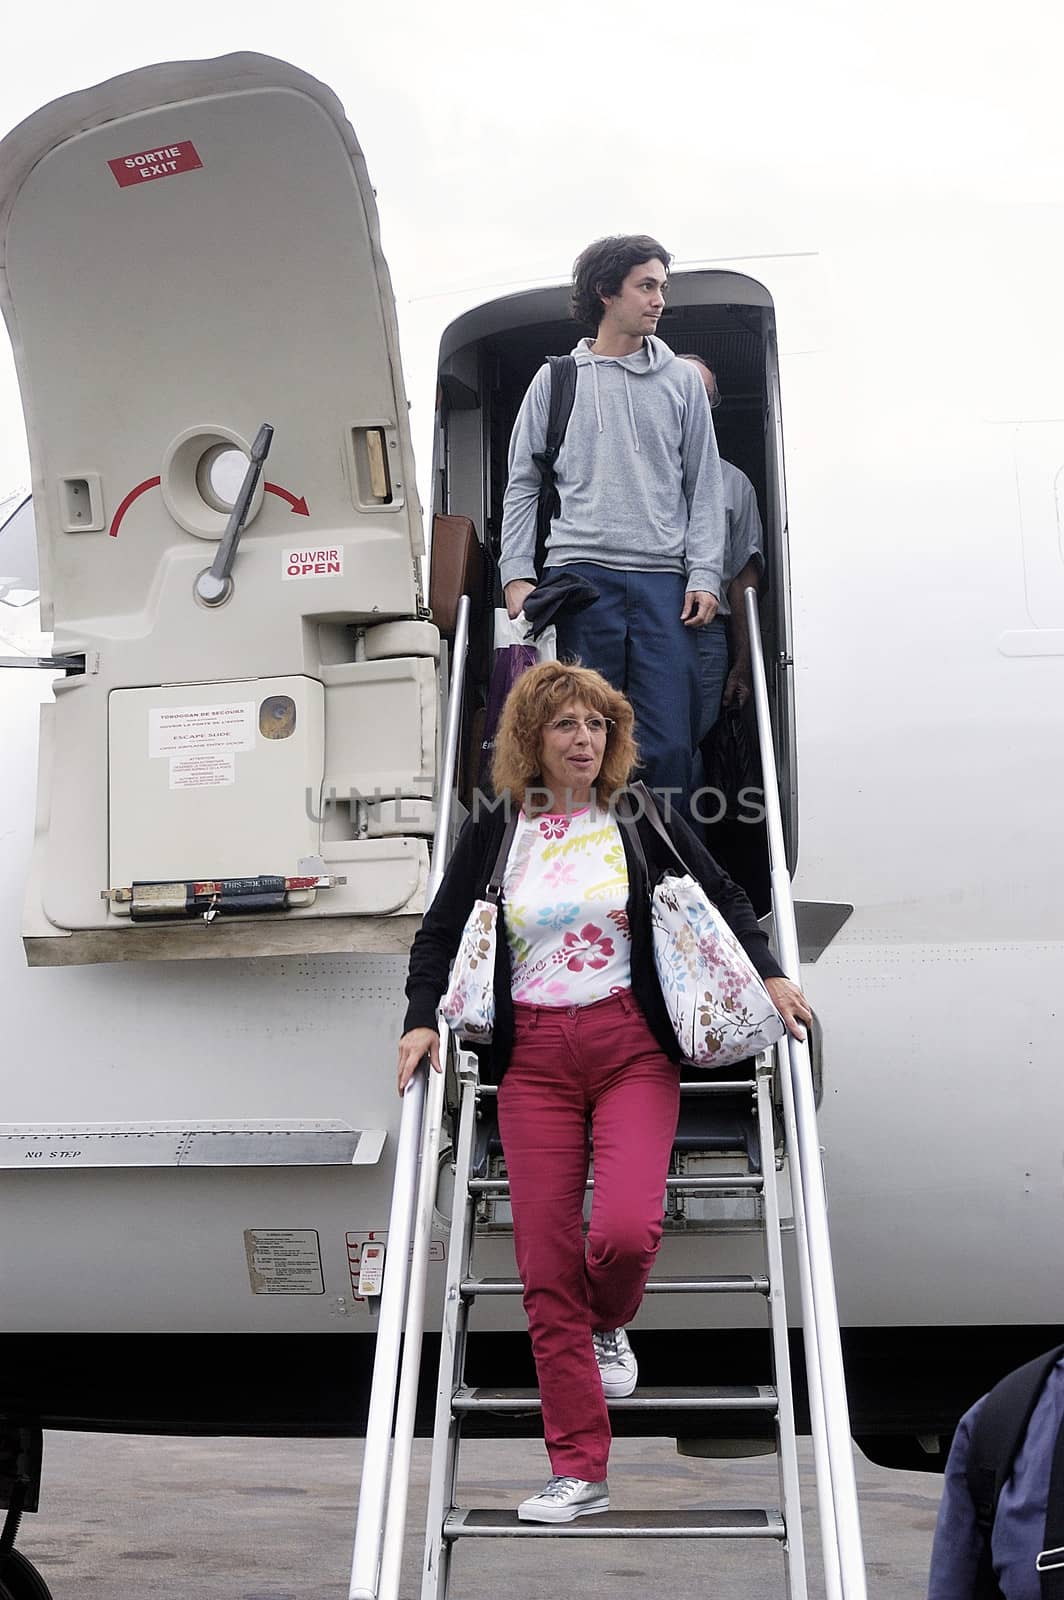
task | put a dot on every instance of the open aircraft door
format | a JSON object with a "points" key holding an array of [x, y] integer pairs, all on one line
{"points": [[238, 760]]}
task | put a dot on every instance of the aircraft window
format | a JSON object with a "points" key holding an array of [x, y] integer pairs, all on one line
{"points": [[19, 583], [220, 474]]}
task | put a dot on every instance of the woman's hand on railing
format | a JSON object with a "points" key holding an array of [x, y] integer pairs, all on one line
{"points": [[791, 1004], [413, 1048]]}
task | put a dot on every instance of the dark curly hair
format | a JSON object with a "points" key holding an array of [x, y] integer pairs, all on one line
{"points": [[603, 267]]}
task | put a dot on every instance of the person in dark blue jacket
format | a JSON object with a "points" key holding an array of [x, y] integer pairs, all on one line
{"points": [[971, 1561]]}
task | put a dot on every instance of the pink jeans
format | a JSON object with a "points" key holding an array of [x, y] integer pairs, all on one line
{"points": [[569, 1064]]}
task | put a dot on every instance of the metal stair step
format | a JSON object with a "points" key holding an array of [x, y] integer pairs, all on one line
{"points": [[728, 1183], [739, 1283], [718, 1086], [692, 1524], [739, 1397]]}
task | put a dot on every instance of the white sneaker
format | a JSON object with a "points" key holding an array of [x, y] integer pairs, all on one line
{"points": [[564, 1499], [617, 1365]]}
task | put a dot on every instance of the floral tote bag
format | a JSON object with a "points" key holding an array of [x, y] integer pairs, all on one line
{"points": [[468, 1007], [718, 1005], [719, 1008]]}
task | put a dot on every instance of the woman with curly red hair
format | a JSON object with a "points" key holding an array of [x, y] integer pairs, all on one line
{"points": [[581, 1033]]}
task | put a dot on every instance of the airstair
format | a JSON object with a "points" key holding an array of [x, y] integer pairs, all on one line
{"points": [[447, 1523], [776, 1108]]}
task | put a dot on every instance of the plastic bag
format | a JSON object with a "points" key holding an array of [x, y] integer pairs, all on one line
{"points": [[518, 630]]}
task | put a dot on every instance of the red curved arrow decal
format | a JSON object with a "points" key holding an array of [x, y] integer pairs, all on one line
{"points": [[116, 521], [299, 507]]}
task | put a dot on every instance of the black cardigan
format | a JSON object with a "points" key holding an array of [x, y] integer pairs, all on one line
{"points": [[465, 880]]}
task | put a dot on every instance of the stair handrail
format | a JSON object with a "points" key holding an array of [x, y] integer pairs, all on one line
{"points": [[839, 1514], [386, 1466]]}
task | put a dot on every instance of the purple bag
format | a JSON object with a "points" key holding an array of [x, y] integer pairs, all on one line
{"points": [[510, 662]]}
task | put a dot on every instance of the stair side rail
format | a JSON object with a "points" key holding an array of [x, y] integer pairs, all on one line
{"points": [[832, 1444], [386, 1468]]}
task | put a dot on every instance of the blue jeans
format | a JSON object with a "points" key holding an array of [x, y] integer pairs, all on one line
{"points": [[712, 672], [713, 659], [633, 636]]}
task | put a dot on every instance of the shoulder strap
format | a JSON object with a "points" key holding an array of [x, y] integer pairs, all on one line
{"points": [[498, 872], [653, 816], [625, 815], [997, 1434], [1050, 1563], [562, 395]]}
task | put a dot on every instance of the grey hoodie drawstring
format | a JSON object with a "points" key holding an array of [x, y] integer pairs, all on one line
{"points": [[627, 394], [594, 385], [631, 409]]}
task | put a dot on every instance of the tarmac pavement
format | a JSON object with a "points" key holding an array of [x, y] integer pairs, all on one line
{"points": [[124, 1517]]}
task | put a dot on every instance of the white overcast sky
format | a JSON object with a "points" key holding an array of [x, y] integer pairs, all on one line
{"points": [[502, 137]]}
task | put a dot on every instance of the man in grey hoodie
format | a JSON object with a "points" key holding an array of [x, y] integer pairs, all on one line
{"points": [[641, 503]]}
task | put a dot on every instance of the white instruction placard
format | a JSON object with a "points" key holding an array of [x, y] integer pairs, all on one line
{"points": [[210, 770], [199, 728], [284, 1260], [371, 1269], [326, 561]]}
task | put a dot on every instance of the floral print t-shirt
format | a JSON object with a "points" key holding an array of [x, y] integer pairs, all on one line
{"points": [[565, 909]]}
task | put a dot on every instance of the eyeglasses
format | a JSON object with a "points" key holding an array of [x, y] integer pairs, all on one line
{"points": [[597, 727]]}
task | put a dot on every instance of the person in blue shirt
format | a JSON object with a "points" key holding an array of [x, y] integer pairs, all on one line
{"points": [[724, 642], [1018, 1535]]}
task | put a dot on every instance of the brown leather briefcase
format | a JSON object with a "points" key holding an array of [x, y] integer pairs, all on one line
{"points": [[456, 567]]}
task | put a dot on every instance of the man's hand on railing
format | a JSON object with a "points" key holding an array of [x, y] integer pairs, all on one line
{"points": [[413, 1048], [789, 1001]]}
